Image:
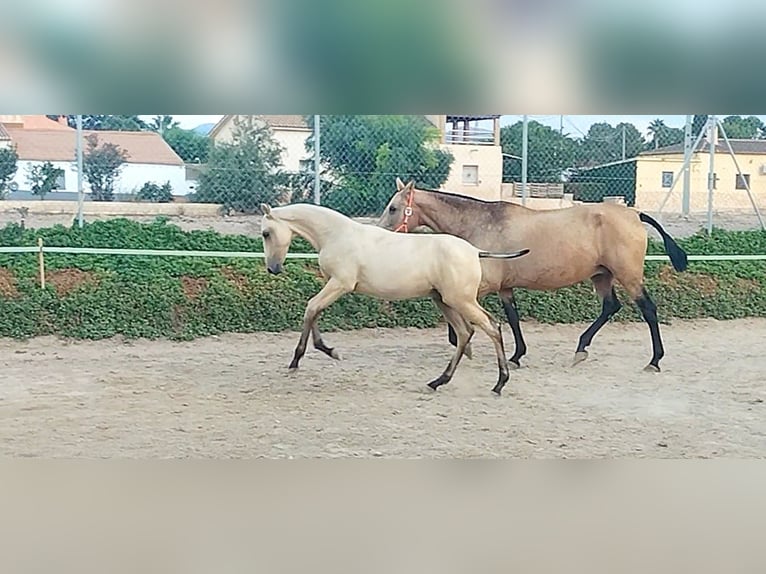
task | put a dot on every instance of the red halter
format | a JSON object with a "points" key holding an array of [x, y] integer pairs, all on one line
{"points": [[407, 213]]}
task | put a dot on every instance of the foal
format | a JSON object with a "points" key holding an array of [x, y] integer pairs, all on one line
{"points": [[360, 258], [602, 242]]}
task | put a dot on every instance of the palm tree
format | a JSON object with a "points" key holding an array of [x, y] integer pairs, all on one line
{"points": [[656, 128]]}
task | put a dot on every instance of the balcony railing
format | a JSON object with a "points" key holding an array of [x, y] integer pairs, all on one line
{"points": [[471, 136]]}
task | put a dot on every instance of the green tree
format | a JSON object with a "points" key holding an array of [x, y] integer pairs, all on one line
{"points": [[550, 153], [188, 144], [42, 178], [363, 154], [698, 124], [154, 193], [101, 166], [161, 124], [8, 166], [663, 136], [245, 173], [603, 144], [743, 128]]}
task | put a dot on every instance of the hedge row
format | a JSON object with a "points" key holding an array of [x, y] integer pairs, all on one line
{"points": [[100, 296]]}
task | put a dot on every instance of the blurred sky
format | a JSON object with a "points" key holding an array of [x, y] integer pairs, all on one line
{"points": [[574, 125]]}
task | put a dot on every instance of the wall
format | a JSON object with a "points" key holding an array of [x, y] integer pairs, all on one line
{"points": [[113, 208], [132, 176], [650, 193], [490, 162]]}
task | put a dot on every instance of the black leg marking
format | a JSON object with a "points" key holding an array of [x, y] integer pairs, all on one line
{"points": [[512, 314], [609, 307], [452, 335], [649, 312]]}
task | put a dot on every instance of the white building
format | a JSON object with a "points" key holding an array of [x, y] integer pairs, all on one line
{"points": [[38, 139]]}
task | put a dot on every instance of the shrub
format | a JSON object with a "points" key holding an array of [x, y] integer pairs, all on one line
{"points": [[92, 297]]}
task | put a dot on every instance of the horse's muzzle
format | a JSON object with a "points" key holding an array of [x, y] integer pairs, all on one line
{"points": [[274, 269]]}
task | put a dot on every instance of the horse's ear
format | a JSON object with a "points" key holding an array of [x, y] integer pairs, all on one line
{"points": [[410, 185], [399, 184], [265, 209]]}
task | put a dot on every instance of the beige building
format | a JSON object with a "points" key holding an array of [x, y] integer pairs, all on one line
{"points": [[290, 132], [656, 170], [477, 169]]}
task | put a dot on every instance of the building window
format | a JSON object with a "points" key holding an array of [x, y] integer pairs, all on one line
{"points": [[742, 180], [667, 179], [471, 175]]}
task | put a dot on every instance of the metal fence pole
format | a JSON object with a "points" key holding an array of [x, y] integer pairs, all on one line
{"points": [[524, 158], [317, 187], [686, 197], [80, 193], [712, 135]]}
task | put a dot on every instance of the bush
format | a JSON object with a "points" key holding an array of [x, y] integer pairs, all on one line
{"points": [[152, 192], [92, 297]]}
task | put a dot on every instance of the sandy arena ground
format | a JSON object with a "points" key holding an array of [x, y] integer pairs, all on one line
{"points": [[231, 396]]}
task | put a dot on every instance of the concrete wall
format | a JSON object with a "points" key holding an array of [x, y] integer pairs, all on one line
{"points": [[113, 208]]}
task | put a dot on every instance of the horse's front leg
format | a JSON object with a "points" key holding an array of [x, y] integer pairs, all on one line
{"points": [[330, 293]]}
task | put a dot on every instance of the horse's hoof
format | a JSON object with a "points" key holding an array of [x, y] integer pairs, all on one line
{"points": [[498, 390], [433, 385], [579, 357], [652, 368], [335, 354], [468, 352], [513, 365]]}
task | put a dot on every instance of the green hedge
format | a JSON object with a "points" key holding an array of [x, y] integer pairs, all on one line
{"points": [[100, 296]]}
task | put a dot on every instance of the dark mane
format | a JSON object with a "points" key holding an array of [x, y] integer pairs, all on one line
{"points": [[458, 199]]}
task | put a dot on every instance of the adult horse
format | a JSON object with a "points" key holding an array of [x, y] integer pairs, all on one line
{"points": [[360, 258], [602, 242]]}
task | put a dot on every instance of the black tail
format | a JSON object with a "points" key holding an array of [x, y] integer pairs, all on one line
{"points": [[488, 255], [677, 255]]}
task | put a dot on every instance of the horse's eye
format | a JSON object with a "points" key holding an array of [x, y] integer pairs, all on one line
{"points": [[266, 234], [392, 208]]}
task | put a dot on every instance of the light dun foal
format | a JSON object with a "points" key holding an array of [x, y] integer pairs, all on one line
{"points": [[601, 242], [360, 258]]}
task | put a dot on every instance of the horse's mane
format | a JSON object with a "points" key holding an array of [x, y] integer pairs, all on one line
{"points": [[285, 211], [459, 200]]}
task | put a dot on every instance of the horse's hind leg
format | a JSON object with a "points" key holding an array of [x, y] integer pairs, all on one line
{"points": [[453, 341], [512, 314], [604, 284], [326, 297], [477, 315], [463, 333], [319, 343], [649, 312]]}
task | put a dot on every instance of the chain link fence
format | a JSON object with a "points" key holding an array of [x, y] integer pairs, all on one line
{"points": [[350, 163]]}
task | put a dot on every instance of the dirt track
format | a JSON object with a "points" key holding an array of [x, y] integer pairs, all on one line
{"points": [[231, 396]]}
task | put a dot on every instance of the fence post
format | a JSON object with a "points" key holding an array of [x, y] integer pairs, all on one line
{"points": [[80, 194], [524, 158], [41, 261], [685, 198], [713, 135], [317, 187]]}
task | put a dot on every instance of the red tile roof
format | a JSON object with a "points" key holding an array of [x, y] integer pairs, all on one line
{"points": [[60, 145]]}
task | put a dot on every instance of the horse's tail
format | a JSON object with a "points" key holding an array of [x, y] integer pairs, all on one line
{"points": [[488, 255], [677, 255]]}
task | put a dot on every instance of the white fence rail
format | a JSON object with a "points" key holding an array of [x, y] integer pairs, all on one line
{"points": [[260, 255]]}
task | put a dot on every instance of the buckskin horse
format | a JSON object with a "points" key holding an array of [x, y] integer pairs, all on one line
{"points": [[603, 242]]}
